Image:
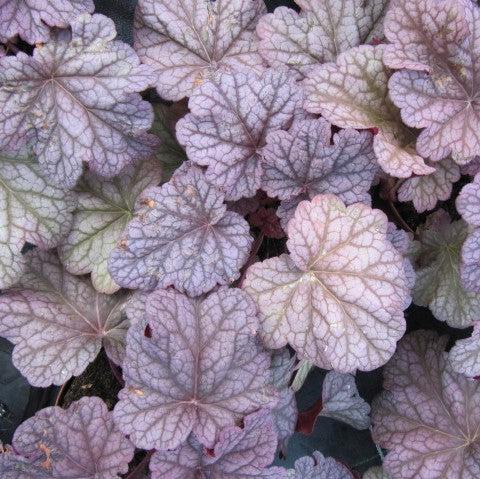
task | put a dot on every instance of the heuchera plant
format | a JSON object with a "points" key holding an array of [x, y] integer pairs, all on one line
{"points": [[237, 199]]}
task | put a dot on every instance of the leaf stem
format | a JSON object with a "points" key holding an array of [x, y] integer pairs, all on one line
{"points": [[399, 217], [251, 259], [138, 471], [303, 369], [116, 371]]}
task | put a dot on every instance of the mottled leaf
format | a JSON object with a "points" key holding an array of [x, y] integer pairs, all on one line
{"points": [[31, 19], [189, 41], [170, 154], [185, 237], [32, 210], [319, 467], [58, 322], [104, 209], [465, 355], [429, 416], [198, 369], [79, 442], [338, 298], [438, 41], [353, 93], [426, 191], [75, 99], [302, 163], [320, 32], [228, 124], [342, 402], [376, 472], [438, 284], [468, 205], [239, 453]]}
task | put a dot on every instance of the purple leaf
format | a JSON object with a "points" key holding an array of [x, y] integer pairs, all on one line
{"points": [[79, 442], [31, 19], [58, 322], [468, 205], [438, 284], [320, 32], [353, 93], [184, 237], [239, 453], [320, 467], [228, 124], [32, 210], [104, 208], [302, 163], [188, 42], [198, 370], [338, 298], [76, 100], [426, 191], [429, 417], [465, 355], [441, 93], [341, 401]]}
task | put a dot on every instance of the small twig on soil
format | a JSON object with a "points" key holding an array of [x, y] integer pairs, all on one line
{"points": [[139, 470], [251, 259], [116, 371]]}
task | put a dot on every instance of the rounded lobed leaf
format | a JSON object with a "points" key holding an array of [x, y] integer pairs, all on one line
{"points": [[319, 467], [465, 355], [442, 96], [230, 118], [199, 369], [320, 32], [31, 19], [75, 99], [237, 454], [188, 42], [338, 298], [426, 191], [353, 93], [58, 322], [429, 416], [32, 210], [81, 441], [184, 237], [438, 283], [104, 209]]}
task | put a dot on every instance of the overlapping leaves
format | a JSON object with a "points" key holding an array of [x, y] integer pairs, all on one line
{"points": [[197, 369], [338, 298], [319, 467], [184, 237], [58, 322], [76, 99]]}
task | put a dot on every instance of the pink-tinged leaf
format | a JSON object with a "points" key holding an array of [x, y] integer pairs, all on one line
{"points": [[426, 191], [353, 93], [465, 355], [104, 208], [230, 118], [31, 19], [184, 237], [79, 442], [320, 467], [338, 298], [188, 42], [320, 32], [376, 472], [437, 264], [472, 168], [285, 413], [341, 401], [58, 322], [75, 99], [429, 416], [301, 163], [468, 202], [198, 370], [32, 210], [239, 453], [442, 96]]}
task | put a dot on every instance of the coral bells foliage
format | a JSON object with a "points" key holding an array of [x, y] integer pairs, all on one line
{"points": [[289, 184]]}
